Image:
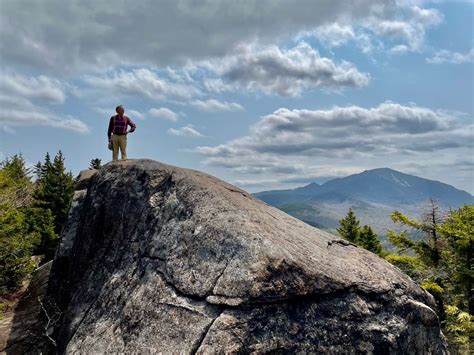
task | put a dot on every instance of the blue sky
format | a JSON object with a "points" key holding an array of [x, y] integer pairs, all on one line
{"points": [[262, 94]]}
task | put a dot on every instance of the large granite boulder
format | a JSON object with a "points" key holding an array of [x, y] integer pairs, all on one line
{"points": [[156, 258]]}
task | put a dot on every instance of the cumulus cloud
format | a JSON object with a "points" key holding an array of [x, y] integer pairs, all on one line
{"points": [[410, 26], [289, 143], [41, 87], [445, 56], [284, 72], [164, 113], [402, 30], [23, 118], [108, 112], [213, 105], [23, 101], [67, 36], [135, 114], [339, 34], [252, 67], [185, 131], [335, 34], [142, 82]]}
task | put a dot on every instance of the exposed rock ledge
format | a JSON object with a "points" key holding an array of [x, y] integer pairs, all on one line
{"points": [[156, 258]]}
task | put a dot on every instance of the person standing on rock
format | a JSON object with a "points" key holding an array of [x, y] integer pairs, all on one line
{"points": [[117, 132]]}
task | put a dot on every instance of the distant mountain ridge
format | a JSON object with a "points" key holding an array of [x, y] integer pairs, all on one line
{"points": [[373, 194]]}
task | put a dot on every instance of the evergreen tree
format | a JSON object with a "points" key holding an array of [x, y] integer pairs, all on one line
{"points": [[24, 230], [43, 169], [428, 250], [16, 245], [16, 169], [459, 233], [368, 240], [55, 188], [40, 222], [19, 178], [95, 164], [430, 246], [349, 227]]}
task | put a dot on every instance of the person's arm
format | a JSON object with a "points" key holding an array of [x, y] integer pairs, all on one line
{"points": [[132, 125], [111, 127]]}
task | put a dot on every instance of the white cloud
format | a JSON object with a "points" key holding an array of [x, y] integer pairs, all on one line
{"points": [[135, 114], [284, 72], [445, 56], [164, 113], [185, 131], [335, 34], [291, 143], [22, 100], [213, 105], [27, 118], [42, 87], [108, 112], [409, 26], [63, 37], [402, 29], [142, 82]]}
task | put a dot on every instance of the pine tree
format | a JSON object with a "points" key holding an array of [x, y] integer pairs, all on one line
{"points": [[24, 230], [16, 169], [430, 247], [349, 227], [459, 233], [95, 164], [19, 176], [16, 245], [428, 250], [55, 188], [368, 240], [442, 263]]}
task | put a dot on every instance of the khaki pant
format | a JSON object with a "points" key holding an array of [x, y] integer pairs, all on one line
{"points": [[119, 142]]}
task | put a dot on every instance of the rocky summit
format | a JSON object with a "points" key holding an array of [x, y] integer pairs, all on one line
{"points": [[156, 258]]}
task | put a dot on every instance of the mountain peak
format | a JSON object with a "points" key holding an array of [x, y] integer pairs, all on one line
{"points": [[381, 185], [381, 170]]}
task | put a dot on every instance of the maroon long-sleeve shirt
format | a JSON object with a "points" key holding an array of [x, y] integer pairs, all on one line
{"points": [[118, 125]]}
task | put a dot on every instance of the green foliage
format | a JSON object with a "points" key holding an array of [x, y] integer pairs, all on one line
{"points": [[399, 217], [432, 287], [40, 222], [459, 328], [443, 264], [15, 168], [430, 247], [349, 227], [55, 189], [400, 240], [410, 265], [458, 230], [25, 229], [368, 239], [15, 185], [95, 164], [16, 244], [364, 237]]}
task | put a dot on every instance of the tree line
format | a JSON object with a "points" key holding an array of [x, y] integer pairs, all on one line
{"points": [[32, 214], [437, 252]]}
